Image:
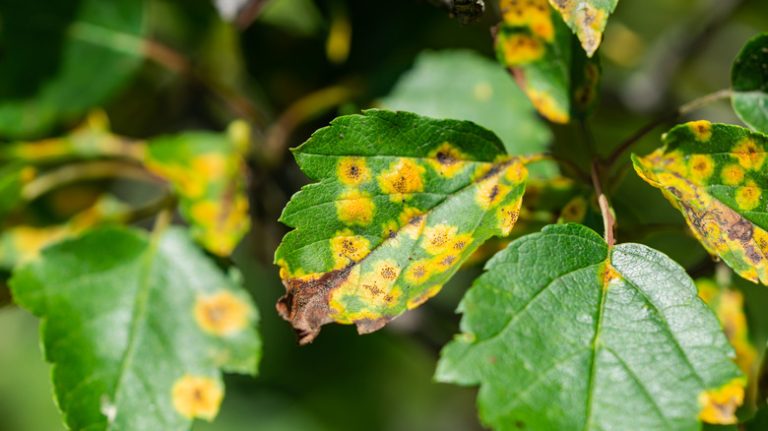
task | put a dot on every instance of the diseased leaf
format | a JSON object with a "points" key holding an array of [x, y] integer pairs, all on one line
{"points": [[484, 94], [537, 47], [208, 172], [13, 178], [83, 52], [564, 333], [402, 201], [714, 174], [137, 329], [587, 18], [22, 243], [728, 305], [749, 79]]}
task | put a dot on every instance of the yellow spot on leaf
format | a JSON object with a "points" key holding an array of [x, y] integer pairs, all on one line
{"points": [[420, 271], [701, 167], [209, 166], [490, 192], [609, 274], [197, 397], [222, 313], [519, 49], [718, 406], [353, 171], [402, 179], [482, 92], [748, 196], [347, 248], [701, 129], [437, 239], [749, 154], [534, 14], [447, 160], [732, 175], [355, 208], [374, 292], [547, 106], [574, 211], [507, 216], [422, 298]]}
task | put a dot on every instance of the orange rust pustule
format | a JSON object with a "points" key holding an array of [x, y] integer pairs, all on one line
{"points": [[305, 303]]}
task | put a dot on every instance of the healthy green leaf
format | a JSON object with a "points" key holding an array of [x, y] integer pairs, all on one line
{"points": [[402, 201], [93, 47], [564, 333], [749, 79], [535, 44], [208, 172], [714, 174], [587, 18], [484, 95], [137, 329]]}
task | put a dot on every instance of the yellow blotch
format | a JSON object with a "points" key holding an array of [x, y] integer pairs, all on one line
{"points": [[438, 238], [609, 274], [732, 175], [749, 154], [211, 166], [222, 313], [730, 311], [547, 106], [28, 173], [403, 178], [701, 129], [347, 248], [748, 196], [418, 300], [355, 208], [532, 13], [515, 172], [412, 221], [197, 397], [447, 160], [701, 167], [574, 211], [718, 406], [419, 271], [491, 192], [375, 289], [507, 216], [482, 92], [521, 49], [353, 171]]}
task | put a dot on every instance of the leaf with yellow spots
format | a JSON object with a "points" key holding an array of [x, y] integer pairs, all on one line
{"points": [[402, 201], [537, 47], [728, 305], [563, 332], [138, 329], [749, 79], [715, 175], [587, 18], [209, 175]]}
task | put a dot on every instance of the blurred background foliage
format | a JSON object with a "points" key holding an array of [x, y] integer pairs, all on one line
{"points": [[177, 65]]}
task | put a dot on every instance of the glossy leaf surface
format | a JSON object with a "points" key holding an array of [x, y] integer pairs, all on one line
{"points": [[401, 202], [563, 333], [137, 329], [715, 175]]}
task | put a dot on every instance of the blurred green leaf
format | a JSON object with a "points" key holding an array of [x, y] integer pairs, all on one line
{"points": [[13, 177], [562, 332], [402, 201], [463, 85], [749, 79], [713, 174], [208, 172], [137, 328], [65, 57]]}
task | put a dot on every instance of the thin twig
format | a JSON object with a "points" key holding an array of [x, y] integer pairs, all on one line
{"points": [[609, 222], [671, 116]]}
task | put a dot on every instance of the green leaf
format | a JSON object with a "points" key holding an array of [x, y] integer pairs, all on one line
{"points": [[484, 94], [137, 329], [402, 201], [208, 172], [714, 174], [83, 52], [564, 333], [535, 44], [13, 178], [749, 79], [587, 18]]}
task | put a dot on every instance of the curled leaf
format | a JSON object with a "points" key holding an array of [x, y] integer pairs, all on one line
{"points": [[714, 174], [402, 201], [587, 18]]}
